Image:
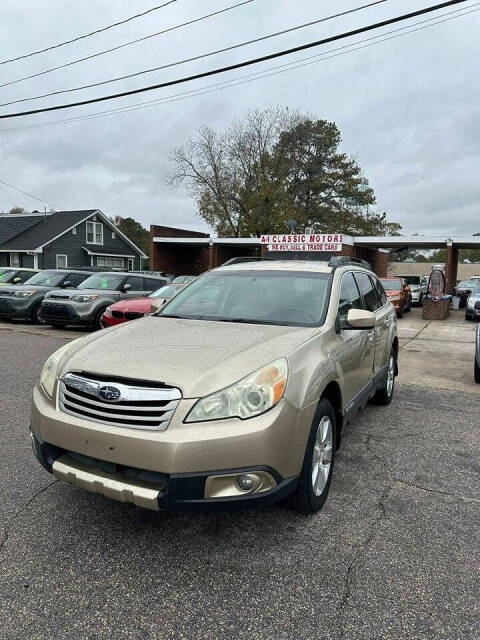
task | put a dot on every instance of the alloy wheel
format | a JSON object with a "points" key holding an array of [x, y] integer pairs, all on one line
{"points": [[322, 455]]}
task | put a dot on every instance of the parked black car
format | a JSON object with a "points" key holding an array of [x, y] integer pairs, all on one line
{"points": [[464, 288], [86, 305], [23, 301]]}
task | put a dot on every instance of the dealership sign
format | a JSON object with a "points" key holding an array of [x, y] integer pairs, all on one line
{"points": [[304, 242]]}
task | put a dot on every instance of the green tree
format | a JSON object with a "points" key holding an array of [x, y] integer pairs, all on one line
{"points": [[273, 165], [134, 231], [17, 210]]}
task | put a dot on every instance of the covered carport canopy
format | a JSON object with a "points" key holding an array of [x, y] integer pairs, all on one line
{"points": [[450, 244]]}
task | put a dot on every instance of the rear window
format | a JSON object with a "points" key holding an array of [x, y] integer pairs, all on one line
{"points": [[392, 285]]}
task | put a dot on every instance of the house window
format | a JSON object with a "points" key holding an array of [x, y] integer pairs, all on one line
{"points": [[74, 231], [111, 263], [94, 233], [131, 264], [113, 235], [14, 259], [62, 261]]}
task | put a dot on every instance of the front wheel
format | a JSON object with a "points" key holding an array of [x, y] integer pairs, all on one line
{"points": [[385, 394], [314, 483], [476, 371]]}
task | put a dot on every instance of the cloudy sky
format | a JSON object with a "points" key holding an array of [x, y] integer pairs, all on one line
{"points": [[408, 108]]}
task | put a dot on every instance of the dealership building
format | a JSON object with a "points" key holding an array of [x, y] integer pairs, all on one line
{"points": [[181, 251]]}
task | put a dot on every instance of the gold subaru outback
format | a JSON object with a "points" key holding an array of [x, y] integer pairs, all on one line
{"points": [[234, 394]]}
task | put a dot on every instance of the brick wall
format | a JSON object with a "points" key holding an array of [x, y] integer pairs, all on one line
{"points": [[432, 310], [378, 259], [451, 267], [177, 258]]}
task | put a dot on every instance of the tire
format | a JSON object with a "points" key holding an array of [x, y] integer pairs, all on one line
{"points": [[420, 300], [96, 324], [476, 371], [35, 318], [400, 313], [468, 318], [319, 458], [409, 308], [385, 394]]}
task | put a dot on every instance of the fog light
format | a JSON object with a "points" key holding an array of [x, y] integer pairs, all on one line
{"points": [[245, 482]]}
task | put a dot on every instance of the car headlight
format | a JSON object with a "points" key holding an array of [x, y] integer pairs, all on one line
{"points": [[48, 375], [83, 298], [24, 294], [471, 303], [108, 312], [249, 397]]}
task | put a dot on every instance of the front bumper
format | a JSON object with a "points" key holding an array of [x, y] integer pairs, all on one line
{"points": [[13, 307], [416, 296], [472, 312], [181, 458], [110, 321], [71, 313], [177, 492]]}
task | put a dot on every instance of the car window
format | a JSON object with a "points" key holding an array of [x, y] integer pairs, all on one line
{"points": [[349, 297], [254, 296], [107, 281], [151, 284], [24, 275], [394, 284], [380, 291], [7, 276], [46, 279], [136, 284], [77, 278], [368, 292]]}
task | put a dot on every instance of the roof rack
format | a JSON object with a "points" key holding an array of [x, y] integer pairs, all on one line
{"points": [[342, 261], [246, 259]]}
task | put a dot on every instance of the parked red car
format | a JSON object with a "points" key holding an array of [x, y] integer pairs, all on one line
{"points": [[398, 293], [125, 310]]}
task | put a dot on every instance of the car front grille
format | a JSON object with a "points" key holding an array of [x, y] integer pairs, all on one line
{"points": [[140, 405], [133, 315], [55, 310], [117, 314]]}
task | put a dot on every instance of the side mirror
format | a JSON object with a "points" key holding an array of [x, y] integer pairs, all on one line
{"points": [[360, 319], [407, 289], [126, 287], [67, 283], [16, 280]]}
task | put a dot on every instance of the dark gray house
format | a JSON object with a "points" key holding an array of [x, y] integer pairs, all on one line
{"points": [[65, 239]]}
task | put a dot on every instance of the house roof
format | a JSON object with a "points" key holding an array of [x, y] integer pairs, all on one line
{"points": [[13, 225], [38, 230], [99, 250]]}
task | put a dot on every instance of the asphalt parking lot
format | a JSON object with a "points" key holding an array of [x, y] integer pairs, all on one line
{"points": [[394, 554]]}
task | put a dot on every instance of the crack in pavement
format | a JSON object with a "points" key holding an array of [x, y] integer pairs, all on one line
{"points": [[360, 553], [430, 490], [17, 513], [416, 335]]}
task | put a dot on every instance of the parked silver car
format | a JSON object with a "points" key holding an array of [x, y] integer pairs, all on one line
{"points": [[418, 287], [472, 307]]}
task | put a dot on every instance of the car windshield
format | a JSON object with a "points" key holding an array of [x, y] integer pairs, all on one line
{"points": [[108, 281], [469, 284], [259, 297], [166, 292], [183, 279], [46, 279], [411, 279], [392, 285], [7, 275]]}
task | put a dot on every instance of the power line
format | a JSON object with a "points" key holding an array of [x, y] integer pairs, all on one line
{"points": [[87, 35], [25, 193], [126, 44], [240, 64], [185, 60], [290, 66]]}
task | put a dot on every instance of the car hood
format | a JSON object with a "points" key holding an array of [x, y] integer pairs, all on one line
{"points": [[393, 292], [25, 287], [67, 294], [138, 305], [197, 356]]}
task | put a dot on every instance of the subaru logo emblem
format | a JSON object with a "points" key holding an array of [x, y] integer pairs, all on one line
{"points": [[110, 394]]}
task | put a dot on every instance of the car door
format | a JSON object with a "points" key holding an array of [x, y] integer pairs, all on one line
{"points": [[375, 300], [354, 353], [135, 290]]}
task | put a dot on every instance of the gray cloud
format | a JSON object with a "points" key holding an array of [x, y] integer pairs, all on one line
{"points": [[407, 108]]}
